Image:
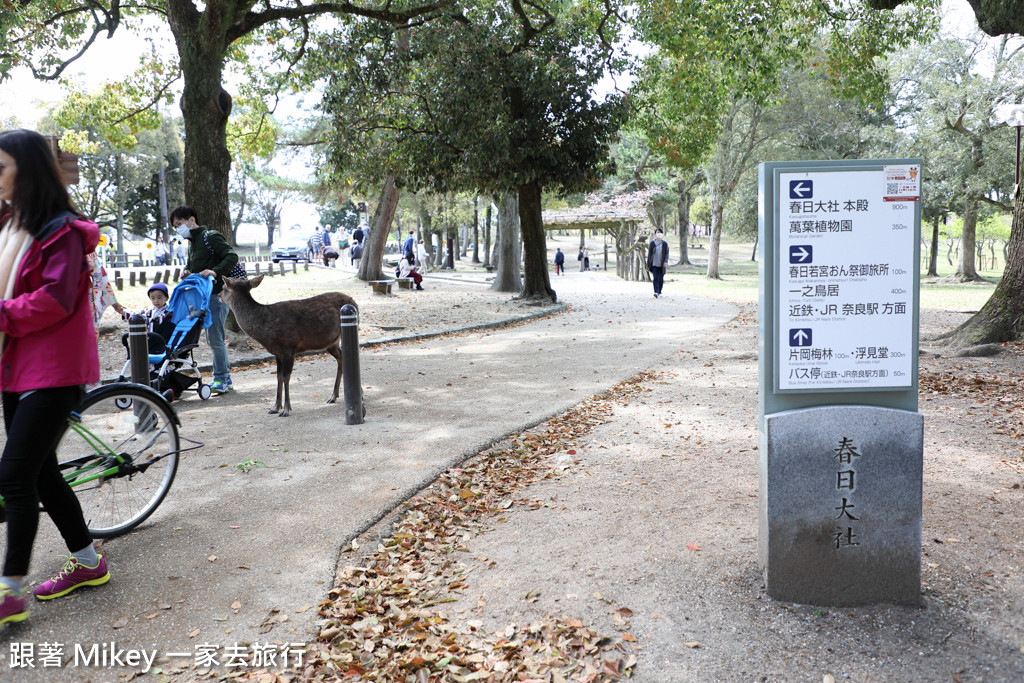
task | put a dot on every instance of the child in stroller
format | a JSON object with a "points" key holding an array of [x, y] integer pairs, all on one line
{"points": [[159, 321], [173, 368]]}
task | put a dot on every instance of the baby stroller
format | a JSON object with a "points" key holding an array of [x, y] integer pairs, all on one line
{"points": [[174, 369]]}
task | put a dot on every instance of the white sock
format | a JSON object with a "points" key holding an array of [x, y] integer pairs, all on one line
{"points": [[87, 556]]}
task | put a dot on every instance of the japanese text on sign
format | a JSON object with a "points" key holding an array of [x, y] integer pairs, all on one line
{"points": [[846, 280]]}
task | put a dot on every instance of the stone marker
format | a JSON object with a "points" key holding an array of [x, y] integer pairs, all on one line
{"points": [[843, 499]]}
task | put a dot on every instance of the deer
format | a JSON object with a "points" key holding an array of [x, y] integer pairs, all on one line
{"points": [[287, 328]]}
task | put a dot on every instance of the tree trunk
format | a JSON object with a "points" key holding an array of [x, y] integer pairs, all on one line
{"points": [[426, 232], [476, 230], [536, 282], [370, 266], [966, 271], [683, 208], [487, 236], [1002, 317], [205, 107], [933, 256], [507, 278], [716, 237]]}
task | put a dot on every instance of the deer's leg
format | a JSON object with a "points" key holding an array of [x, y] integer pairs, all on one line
{"points": [[286, 364], [336, 352], [277, 404]]}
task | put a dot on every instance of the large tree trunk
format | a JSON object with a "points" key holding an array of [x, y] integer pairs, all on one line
{"points": [[507, 276], [205, 107], [716, 237], [1002, 317], [370, 266], [966, 271], [683, 207], [536, 283]]}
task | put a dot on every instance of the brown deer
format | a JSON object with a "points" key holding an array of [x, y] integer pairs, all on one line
{"points": [[289, 327]]}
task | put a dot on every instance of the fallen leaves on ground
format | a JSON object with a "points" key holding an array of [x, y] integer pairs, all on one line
{"points": [[383, 620]]}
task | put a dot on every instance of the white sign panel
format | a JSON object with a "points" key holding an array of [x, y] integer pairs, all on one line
{"points": [[846, 279]]}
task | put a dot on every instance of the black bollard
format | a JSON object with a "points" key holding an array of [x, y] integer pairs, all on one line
{"points": [[355, 411], [138, 349]]}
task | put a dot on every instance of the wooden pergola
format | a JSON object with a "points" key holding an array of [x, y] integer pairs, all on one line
{"points": [[592, 220], [621, 224]]}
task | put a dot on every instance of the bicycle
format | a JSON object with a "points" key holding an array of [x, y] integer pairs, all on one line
{"points": [[119, 452]]}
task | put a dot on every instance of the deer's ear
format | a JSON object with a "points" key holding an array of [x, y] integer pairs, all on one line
{"points": [[255, 282]]}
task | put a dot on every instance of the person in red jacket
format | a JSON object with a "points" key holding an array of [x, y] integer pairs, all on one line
{"points": [[47, 353]]}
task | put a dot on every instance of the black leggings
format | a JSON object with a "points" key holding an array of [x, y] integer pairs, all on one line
{"points": [[29, 474]]}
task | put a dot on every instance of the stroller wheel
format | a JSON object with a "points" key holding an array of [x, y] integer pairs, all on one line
{"points": [[123, 402], [204, 391]]}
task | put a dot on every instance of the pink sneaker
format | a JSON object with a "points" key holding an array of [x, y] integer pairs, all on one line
{"points": [[12, 608], [72, 576]]}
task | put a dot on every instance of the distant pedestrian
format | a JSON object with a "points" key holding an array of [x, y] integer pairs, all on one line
{"points": [[316, 244], [409, 246], [579, 257], [160, 252], [356, 253], [657, 260], [421, 254], [586, 259], [559, 262], [358, 235], [181, 251]]}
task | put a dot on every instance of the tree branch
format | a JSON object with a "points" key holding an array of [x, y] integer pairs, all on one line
{"points": [[253, 20]]}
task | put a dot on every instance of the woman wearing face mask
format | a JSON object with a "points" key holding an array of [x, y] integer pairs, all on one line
{"points": [[48, 354], [657, 261]]}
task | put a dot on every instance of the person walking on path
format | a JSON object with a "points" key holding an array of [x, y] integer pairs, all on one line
{"points": [[657, 260], [209, 254], [181, 251], [586, 259], [48, 354], [559, 262]]}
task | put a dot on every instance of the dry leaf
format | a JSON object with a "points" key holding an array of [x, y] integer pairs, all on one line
{"points": [[120, 623], [692, 546], [193, 634], [237, 604], [212, 558], [692, 644]]}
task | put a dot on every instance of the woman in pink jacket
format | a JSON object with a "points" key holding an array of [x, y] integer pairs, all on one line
{"points": [[47, 353]]}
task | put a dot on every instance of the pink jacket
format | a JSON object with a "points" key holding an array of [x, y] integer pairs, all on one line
{"points": [[51, 341]]}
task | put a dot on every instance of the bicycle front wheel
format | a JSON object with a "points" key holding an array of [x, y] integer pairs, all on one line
{"points": [[119, 452]]}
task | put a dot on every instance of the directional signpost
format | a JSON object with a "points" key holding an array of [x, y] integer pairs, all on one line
{"points": [[841, 441]]}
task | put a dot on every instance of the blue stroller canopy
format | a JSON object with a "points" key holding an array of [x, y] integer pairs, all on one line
{"points": [[191, 297]]}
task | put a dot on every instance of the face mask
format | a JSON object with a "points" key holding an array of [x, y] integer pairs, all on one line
{"points": [[183, 231]]}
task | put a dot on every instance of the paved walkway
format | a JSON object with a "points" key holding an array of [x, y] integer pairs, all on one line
{"points": [[228, 551]]}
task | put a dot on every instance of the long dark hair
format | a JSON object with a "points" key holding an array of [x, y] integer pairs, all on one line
{"points": [[39, 191]]}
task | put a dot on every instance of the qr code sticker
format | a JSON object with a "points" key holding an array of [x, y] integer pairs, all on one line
{"points": [[892, 188]]}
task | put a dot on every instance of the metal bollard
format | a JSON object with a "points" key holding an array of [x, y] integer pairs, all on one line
{"points": [[355, 411], [138, 349]]}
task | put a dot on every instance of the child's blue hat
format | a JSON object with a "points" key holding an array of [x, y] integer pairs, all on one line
{"points": [[159, 286]]}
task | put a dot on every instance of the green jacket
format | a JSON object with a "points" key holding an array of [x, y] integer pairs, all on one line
{"points": [[220, 260]]}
